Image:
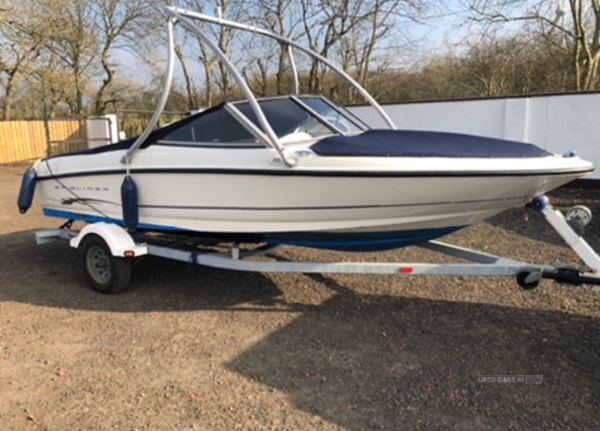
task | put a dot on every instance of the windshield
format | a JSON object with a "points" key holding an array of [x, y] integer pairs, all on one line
{"points": [[341, 121], [286, 116], [215, 126]]}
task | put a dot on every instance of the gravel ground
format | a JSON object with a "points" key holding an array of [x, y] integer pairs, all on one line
{"points": [[200, 348]]}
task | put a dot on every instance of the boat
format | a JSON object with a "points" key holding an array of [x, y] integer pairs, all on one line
{"points": [[293, 169]]}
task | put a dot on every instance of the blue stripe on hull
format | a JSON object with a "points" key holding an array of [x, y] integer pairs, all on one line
{"points": [[357, 241], [96, 219], [360, 241]]}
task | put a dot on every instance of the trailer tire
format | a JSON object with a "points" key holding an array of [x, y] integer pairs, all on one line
{"points": [[524, 284], [104, 272]]}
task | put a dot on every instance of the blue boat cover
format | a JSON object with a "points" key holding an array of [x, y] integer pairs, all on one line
{"points": [[413, 143]]}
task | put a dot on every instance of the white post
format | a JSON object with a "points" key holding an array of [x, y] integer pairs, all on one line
{"points": [[577, 243]]}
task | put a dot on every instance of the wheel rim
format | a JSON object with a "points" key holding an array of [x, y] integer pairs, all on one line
{"points": [[98, 265]]}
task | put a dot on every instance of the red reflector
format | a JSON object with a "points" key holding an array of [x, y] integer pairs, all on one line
{"points": [[405, 270]]}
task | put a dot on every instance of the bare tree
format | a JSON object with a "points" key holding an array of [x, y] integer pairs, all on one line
{"points": [[115, 21], [59, 29], [182, 45], [51, 84], [18, 51], [233, 10], [357, 24], [572, 24], [361, 50], [284, 18], [71, 37], [21, 42], [325, 24], [193, 54]]}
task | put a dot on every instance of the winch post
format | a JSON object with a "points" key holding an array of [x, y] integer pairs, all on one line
{"points": [[576, 242]]}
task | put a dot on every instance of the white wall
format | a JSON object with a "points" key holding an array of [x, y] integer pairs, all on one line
{"points": [[557, 123]]}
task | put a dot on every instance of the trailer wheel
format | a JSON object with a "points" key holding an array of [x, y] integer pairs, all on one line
{"points": [[524, 284], [104, 272]]}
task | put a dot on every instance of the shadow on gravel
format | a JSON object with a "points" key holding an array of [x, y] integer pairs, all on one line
{"points": [[359, 361], [388, 363], [51, 275]]}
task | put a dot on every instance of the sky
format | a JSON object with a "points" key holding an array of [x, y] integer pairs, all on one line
{"points": [[444, 30], [435, 35]]}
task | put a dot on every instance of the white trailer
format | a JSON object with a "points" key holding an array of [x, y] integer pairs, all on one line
{"points": [[108, 250]]}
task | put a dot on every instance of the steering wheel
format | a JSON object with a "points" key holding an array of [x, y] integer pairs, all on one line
{"points": [[339, 122], [336, 120]]}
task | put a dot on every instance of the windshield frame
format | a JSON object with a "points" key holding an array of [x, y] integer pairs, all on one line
{"points": [[305, 122], [311, 113], [342, 110]]}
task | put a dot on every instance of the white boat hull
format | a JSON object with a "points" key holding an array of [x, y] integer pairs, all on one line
{"points": [[367, 195]]}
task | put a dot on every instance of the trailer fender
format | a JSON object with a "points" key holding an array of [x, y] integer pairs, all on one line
{"points": [[121, 244]]}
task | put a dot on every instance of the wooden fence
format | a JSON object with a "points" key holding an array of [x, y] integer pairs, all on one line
{"points": [[27, 140]]}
